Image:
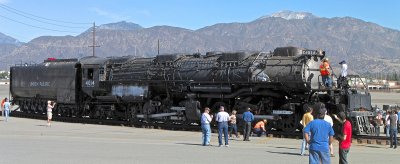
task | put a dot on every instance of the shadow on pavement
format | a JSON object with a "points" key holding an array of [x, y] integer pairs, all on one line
{"points": [[285, 153], [372, 146], [190, 144], [280, 147]]}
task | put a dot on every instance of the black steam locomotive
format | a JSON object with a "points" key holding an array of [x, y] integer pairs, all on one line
{"points": [[175, 87]]}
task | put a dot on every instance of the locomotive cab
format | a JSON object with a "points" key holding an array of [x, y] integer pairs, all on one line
{"points": [[93, 73]]}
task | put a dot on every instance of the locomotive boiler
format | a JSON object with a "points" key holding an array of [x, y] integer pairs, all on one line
{"points": [[176, 87]]}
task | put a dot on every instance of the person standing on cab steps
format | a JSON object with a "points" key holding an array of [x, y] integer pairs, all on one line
{"points": [[247, 117], [325, 71], [50, 106], [205, 126]]}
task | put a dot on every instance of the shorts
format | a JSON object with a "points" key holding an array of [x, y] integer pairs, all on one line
{"points": [[49, 115]]}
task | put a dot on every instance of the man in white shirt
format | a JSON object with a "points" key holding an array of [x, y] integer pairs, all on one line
{"points": [[222, 120], [342, 81], [205, 126], [344, 68]]}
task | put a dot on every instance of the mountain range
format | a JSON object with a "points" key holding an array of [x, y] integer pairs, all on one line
{"points": [[367, 47]]}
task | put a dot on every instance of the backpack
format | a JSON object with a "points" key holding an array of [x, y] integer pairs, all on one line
{"points": [[338, 128]]}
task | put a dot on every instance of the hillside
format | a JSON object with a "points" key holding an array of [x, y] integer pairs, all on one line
{"points": [[366, 46]]}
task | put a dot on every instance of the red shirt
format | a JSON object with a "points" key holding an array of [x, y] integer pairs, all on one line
{"points": [[324, 69], [347, 130]]}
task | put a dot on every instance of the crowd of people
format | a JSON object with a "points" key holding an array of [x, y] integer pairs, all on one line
{"points": [[317, 131]]}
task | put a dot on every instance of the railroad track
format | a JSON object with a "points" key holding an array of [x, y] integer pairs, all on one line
{"points": [[380, 140]]}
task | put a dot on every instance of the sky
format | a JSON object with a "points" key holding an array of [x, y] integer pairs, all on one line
{"points": [[27, 19]]}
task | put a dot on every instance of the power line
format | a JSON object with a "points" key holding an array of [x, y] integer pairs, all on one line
{"points": [[25, 13], [43, 28], [29, 17]]}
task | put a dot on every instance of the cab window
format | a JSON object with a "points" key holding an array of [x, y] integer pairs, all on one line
{"points": [[90, 73]]}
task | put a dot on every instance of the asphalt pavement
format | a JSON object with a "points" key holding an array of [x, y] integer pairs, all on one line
{"points": [[29, 141]]}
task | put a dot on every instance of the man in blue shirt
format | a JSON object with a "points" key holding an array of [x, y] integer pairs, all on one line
{"points": [[248, 117], [320, 139]]}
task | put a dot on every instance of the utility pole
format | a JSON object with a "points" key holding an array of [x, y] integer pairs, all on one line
{"points": [[94, 39], [158, 47]]}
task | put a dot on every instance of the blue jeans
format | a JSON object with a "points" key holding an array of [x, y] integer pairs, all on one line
{"points": [[259, 132], [317, 156], [387, 130], [206, 129], [6, 113], [303, 145], [327, 81], [234, 129], [393, 137], [223, 128]]}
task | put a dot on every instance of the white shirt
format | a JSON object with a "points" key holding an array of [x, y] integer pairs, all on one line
{"points": [[222, 117], [50, 107], [205, 118], [387, 120], [344, 70], [328, 119], [7, 105]]}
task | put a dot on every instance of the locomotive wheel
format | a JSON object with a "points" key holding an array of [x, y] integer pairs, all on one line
{"points": [[33, 108], [289, 123], [43, 108], [134, 110], [24, 107]]}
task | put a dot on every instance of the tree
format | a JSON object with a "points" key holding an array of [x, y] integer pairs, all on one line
{"points": [[4, 75]]}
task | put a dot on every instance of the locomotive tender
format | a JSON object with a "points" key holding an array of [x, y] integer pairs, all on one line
{"points": [[174, 88]]}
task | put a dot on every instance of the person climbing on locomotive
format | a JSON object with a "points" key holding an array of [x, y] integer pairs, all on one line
{"points": [[247, 117], [259, 128], [342, 81], [325, 71]]}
